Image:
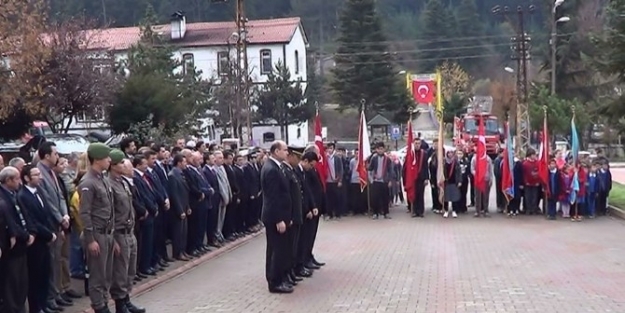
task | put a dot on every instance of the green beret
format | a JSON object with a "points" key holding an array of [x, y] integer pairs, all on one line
{"points": [[98, 151], [117, 156]]}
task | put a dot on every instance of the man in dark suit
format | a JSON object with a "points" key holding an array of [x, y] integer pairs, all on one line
{"points": [[146, 241], [252, 177], [6, 243], [313, 180], [422, 178], [230, 223], [213, 181], [303, 263], [276, 215], [242, 226], [14, 286], [178, 188], [334, 183], [43, 223], [199, 197], [159, 254]]}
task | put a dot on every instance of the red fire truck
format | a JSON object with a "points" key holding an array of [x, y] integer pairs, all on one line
{"points": [[466, 126]]}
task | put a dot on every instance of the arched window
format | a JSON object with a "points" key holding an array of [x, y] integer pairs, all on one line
{"points": [[188, 63], [266, 66], [296, 62]]}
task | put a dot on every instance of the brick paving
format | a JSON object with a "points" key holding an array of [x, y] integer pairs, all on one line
{"points": [[463, 265]]}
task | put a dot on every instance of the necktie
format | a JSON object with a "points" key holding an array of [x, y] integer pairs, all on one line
{"points": [[38, 198], [147, 180]]}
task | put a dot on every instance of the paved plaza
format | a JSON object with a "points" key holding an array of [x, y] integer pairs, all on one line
{"points": [[525, 264]]}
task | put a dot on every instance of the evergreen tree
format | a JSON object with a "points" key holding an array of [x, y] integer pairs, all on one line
{"points": [[470, 29], [282, 100], [438, 28], [160, 89], [364, 68]]}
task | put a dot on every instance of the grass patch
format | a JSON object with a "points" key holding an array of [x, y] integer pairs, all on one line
{"points": [[617, 195]]}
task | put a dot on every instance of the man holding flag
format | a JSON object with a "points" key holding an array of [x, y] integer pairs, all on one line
{"points": [[482, 170], [381, 168]]}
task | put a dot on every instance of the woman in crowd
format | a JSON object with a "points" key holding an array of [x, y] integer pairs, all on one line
{"points": [[77, 263]]}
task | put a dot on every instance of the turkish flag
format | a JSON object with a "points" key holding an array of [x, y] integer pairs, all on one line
{"points": [[410, 168], [423, 91], [322, 166], [481, 164]]}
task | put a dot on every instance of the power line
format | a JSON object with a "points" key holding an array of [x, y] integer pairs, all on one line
{"points": [[420, 50], [476, 56]]}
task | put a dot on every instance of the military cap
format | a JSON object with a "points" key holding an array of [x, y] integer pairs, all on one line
{"points": [[117, 156], [298, 151], [98, 151]]}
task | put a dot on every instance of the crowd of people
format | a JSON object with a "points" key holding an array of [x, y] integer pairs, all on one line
{"points": [[116, 216]]}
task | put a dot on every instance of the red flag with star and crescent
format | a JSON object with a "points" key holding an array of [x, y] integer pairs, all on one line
{"points": [[481, 164], [322, 165], [423, 91]]}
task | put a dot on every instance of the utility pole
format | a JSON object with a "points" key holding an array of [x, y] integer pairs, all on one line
{"points": [[553, 42], [521, 46], [242, 99]]}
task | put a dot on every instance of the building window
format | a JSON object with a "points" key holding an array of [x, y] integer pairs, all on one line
{"points": [[296, 62], [188, 64], [223, 64], [269, 137], [266, 66], [96, 115]]}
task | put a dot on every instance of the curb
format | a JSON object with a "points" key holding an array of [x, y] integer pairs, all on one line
{"points": [[616, 212], [159, 280]]}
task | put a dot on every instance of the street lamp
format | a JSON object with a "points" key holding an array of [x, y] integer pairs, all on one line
{"points": [[553, 42]]}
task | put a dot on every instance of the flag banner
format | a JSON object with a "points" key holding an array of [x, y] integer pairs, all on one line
{"points": [[423, 91], [507, 167], [543, 166], [364, 151], [322, 165], [575, 155], [410, 166], [481, 164]]}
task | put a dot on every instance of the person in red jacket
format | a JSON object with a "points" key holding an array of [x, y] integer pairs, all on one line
{"points": [[580, 200], [566, 177], [531, 183]]}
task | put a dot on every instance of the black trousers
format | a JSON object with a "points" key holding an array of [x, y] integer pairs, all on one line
{"points": [[418, 205], [242, 215], [357, 199], [436, 205], [500, 198], [250, 213], [277, 256], [379, 198], [15, 284], [305, 241], [211, 223], [294, 237], [230, 219], [313, 238], [193, 227], [472, 191], [179, 235], [333, 200], [146, 244], [39, 271], [532, 198], [160, 248]]}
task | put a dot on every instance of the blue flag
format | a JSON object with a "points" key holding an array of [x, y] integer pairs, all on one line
{"points": [[575, 156]]}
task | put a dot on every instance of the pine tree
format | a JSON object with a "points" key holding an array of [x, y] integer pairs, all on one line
{"points": [[438, 28], [364, 68], [470, 29]]}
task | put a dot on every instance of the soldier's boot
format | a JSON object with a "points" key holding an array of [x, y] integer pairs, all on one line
{"points": [[133, 308], [105, 309], [120, 306]]}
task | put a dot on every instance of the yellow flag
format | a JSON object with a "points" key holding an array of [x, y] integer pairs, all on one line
{"points": [[440, 150], [409, 82]]}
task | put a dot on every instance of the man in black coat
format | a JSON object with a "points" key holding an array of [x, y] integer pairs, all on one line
{"points": [[277, 216], [39, 258], [303, 263], [297, 204], [14, 284], [178, 188], [244, 195], [313, 180], [230, 221], [422, 177], [252, 177]]}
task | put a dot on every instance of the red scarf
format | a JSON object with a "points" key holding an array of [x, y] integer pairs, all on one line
{"points": [[451, 169]]}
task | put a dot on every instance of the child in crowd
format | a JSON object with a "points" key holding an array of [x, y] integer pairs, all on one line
{"points": [[553, 194], [580, 199], [566, 177], [591, 191]]}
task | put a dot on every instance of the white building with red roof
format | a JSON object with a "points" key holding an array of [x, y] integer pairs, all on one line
{"points": [[208, 46]]}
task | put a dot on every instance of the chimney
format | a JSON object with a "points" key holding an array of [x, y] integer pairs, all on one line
{"points": [[178, 25]]}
